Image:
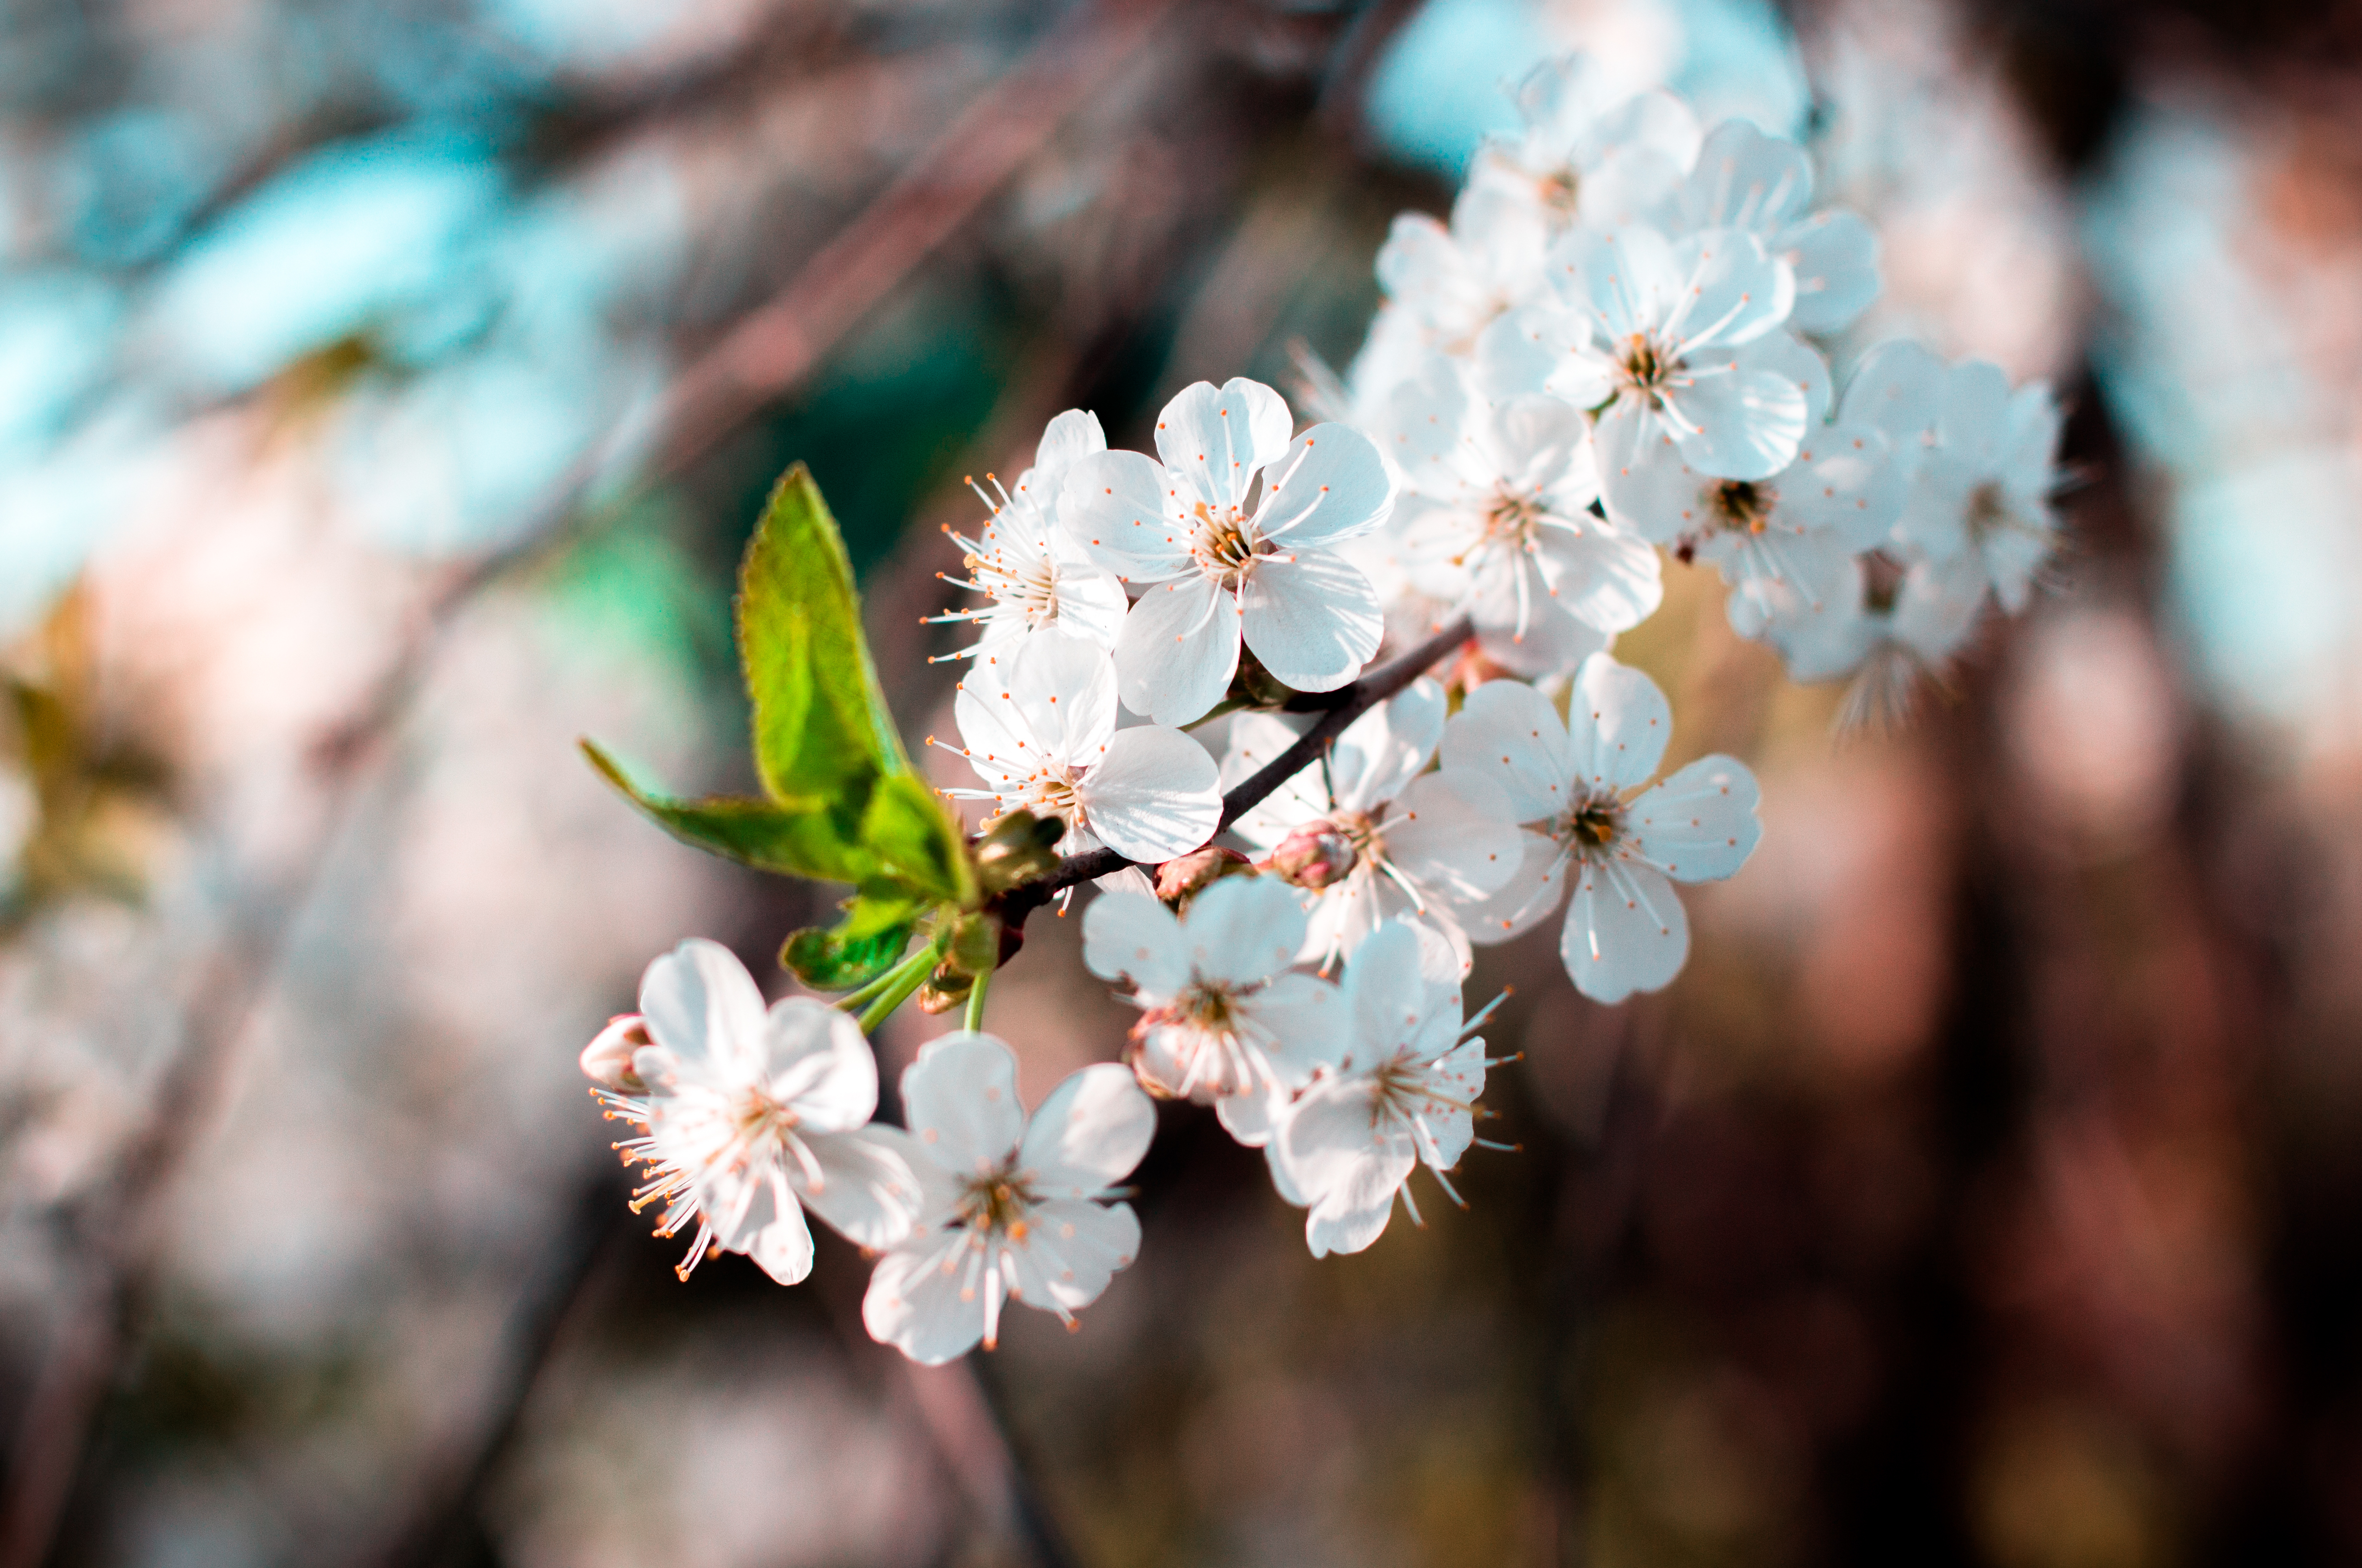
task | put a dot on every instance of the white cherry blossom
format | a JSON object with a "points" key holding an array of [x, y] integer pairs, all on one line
{"points": [[1038, 724], [1983, 461], [752, 1116], [1747, 179], [1403, 1094], [1455, 281], [1577, 783], [1231, 536], [1789, 538], [1496, 521], [1014, 1212], [1891, 627], [1590, 151], [1676, 348], [1222, 1018], [1035, 573], [1393, 840]]}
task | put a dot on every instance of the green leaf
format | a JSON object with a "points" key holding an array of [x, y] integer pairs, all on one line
{"points": [[871, 938], [917, 841], [795, 835], [820, 725]]}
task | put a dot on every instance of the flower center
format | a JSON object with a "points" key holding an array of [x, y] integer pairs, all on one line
{"points": [[1881, 583], [1648, 366], [1743, 505], [1031, 586], [996, 1203], [1989, 512], [1559, 190], [1513, 520], [1227, 547], [1361, 832], [1210, 1006], [1592, 827]]}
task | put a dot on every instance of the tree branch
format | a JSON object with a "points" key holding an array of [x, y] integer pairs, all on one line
{"points": [[1337, 708]]}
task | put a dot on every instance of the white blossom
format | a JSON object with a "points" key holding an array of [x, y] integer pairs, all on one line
{"points": [[1403, 1094], [1575, 783], [1982, 461], [1391, 840], [750, 1117], [1014, 1212], [1233, 536], [1496, 521], [1222, 1018], [1891, 627], [1035, 573], [1676, 348], [1038, 725], [1590, 151], [1453, 282], [1747, 179]]}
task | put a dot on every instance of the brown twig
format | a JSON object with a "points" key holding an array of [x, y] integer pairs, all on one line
{"points": [[1337, 710]]}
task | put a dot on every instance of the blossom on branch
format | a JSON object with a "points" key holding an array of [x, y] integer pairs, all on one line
{"points": [[1576, 785], [1398, 842], [1230, 537], [750, 1116], [1222, 1019], [1014, 1212], [1038, 725], [1404, 1095], [1035, 573]]}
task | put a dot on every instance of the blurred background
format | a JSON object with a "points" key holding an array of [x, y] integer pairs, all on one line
{"points": [[387, 388]]}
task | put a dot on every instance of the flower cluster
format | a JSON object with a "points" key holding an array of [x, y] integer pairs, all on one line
{"points": [[1609, 356]]}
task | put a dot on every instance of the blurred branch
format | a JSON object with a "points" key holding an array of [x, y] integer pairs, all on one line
{"points": [[110, 1237]]}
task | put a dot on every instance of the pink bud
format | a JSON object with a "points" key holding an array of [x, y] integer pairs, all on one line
{"points": [[1184, 878], [607, 1059], [1316, 855]]}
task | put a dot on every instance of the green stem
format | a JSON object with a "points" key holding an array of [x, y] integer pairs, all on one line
{"points": [[855, 998], [974, 1020], [906, 979]]}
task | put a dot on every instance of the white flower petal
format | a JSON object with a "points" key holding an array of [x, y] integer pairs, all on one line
{"points": [[1747, 179], [820, 1064], [1215, 438], [1732, 291], [776, 1236], [1742, 415], [960, 1098], [1066, 440], [1332, 486], [1120, 508], [1153, 795], [1844, 480], [1311, 617], [869, 1189], [700, 1004], [1835, 257], [1063, 690], [1307, 1023], [1130, 934], [1088, 1134], [1699, 824], [1508, 733], [1242, 930], [1625, 931], [1618, 724], [1526, 900], [1454, 838], [1178, 651], [924, 1303], [1071, 1250]]}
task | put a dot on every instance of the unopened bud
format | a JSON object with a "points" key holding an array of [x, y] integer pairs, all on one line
{"points": [[1471, 667], [607, 1059], [1017, 848], [1316, 855], [1179, 880], [945, 989]]}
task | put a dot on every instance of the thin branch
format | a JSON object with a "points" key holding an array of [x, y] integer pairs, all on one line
{"points": [[1337, 710]]}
